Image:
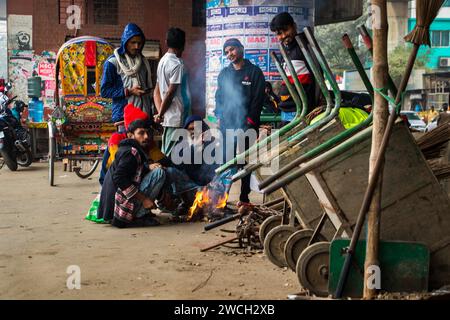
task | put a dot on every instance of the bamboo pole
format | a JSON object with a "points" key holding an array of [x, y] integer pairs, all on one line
{"points": [[381, 112]]}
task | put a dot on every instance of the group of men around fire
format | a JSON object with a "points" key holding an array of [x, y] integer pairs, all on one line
{"points": [[138, 176]]}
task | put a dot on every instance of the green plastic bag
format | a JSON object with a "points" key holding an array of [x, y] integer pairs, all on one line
{"points": [[92, 213]]}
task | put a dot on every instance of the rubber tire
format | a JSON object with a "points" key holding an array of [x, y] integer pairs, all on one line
{"points": [[275, 242], [90, 172], [10, 162], [29, 160], [268, 225], [319, 289], [296, 244]]}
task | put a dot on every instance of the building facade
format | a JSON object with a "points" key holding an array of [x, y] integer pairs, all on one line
{"points": [[49, 23]]}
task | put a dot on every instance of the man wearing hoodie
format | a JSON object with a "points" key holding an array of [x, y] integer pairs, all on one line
{"points": [[127, 75], [239, 101]]}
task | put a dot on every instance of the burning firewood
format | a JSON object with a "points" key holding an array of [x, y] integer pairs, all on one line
{"points": [[211, 201]]}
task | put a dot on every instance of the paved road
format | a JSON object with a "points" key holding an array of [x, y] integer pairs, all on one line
{"points": [[43, 232]]}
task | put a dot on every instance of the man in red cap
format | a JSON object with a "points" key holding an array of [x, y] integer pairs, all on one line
{"points": [[139, 176], [131, 113]]}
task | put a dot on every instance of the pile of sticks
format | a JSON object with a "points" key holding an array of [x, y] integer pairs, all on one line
{"points": [[247, 230]]}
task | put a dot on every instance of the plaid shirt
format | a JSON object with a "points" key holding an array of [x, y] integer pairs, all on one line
{"points": [[125, 205]]}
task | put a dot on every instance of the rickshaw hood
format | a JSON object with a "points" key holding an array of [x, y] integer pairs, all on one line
{"points": [[130, 31]]}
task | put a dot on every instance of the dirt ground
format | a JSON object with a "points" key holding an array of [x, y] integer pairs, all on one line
{"points": [[43, 232]]}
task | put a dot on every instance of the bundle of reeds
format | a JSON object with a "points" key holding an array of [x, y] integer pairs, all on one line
{"points": [[434, 146], [434, 143]]}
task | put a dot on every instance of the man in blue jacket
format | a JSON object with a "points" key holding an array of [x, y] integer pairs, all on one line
{"points": [[127, 75]]}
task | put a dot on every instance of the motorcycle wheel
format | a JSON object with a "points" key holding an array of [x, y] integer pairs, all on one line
{"points": [[11, 163], [25, 159]]}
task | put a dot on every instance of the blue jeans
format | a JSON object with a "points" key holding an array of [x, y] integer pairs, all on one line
{"points": [[179, 182], [151, 186], [158, 180]]}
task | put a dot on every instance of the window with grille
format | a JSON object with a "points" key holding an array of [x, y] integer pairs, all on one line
{"points": [[103, 12], [106, 11], [440, 38]]}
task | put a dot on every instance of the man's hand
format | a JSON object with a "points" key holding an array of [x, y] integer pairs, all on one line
{"points": [[148, 204], [136, 91], [158, 119], [154, 166]]}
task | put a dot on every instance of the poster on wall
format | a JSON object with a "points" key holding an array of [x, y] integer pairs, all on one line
{"points": [[44, 66], [24, 64], [20, 69], [20, 31], [3, 50], [248, 21]]}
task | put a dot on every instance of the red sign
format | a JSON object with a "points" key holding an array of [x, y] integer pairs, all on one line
{"points": [[46, 70]]}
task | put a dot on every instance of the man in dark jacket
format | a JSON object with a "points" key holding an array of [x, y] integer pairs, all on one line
{"points": [[239, 100], [131, 185], [127, 75], [138, 177], [189, 148]]}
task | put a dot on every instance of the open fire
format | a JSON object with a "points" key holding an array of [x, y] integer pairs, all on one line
{"points": [[207, 200]]}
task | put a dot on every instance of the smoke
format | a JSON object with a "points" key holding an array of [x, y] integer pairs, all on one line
{"points": [[195, 63], [232, 101]]}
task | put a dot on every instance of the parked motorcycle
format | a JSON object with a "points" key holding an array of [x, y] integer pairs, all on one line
{"points": [[15, 140]]}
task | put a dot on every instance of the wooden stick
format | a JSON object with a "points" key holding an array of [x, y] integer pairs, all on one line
{"points": [[218, 244], [381, 113]]}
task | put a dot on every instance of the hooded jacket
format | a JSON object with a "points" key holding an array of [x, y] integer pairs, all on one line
{"points": [[114, 81], [240, 96]]}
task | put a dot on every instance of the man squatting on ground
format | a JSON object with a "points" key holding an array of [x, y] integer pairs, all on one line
{"points": [[139, 177], [171, 95], [239, 101], [286, 29], [127, 75]]}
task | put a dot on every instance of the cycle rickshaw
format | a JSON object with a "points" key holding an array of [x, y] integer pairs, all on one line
{"points": [[80, 125]]}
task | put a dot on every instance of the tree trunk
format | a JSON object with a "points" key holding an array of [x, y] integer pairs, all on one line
{"points": [[381, 113]]}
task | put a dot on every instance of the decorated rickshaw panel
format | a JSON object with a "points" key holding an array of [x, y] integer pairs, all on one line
{"points": [[73, 70], [87, 125], [104, 51]]}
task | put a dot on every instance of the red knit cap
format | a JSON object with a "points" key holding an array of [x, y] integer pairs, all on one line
{"points": [[132, 113], [116, 138]]}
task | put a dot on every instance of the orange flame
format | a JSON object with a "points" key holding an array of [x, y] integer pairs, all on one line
{"points": [[222, 203], [204, 199]]}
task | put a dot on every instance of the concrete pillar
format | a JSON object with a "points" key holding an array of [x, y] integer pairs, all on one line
{"points": [[397, 11]]}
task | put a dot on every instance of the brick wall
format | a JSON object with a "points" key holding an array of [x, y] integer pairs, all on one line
{"points": [[20, 7], [194, 55], [154, 17]]}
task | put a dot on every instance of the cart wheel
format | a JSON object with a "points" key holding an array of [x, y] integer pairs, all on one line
{"points": [[295, 245], [313, 268], [86, 169], [268, 225], [51, 154], [275, 242]]}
